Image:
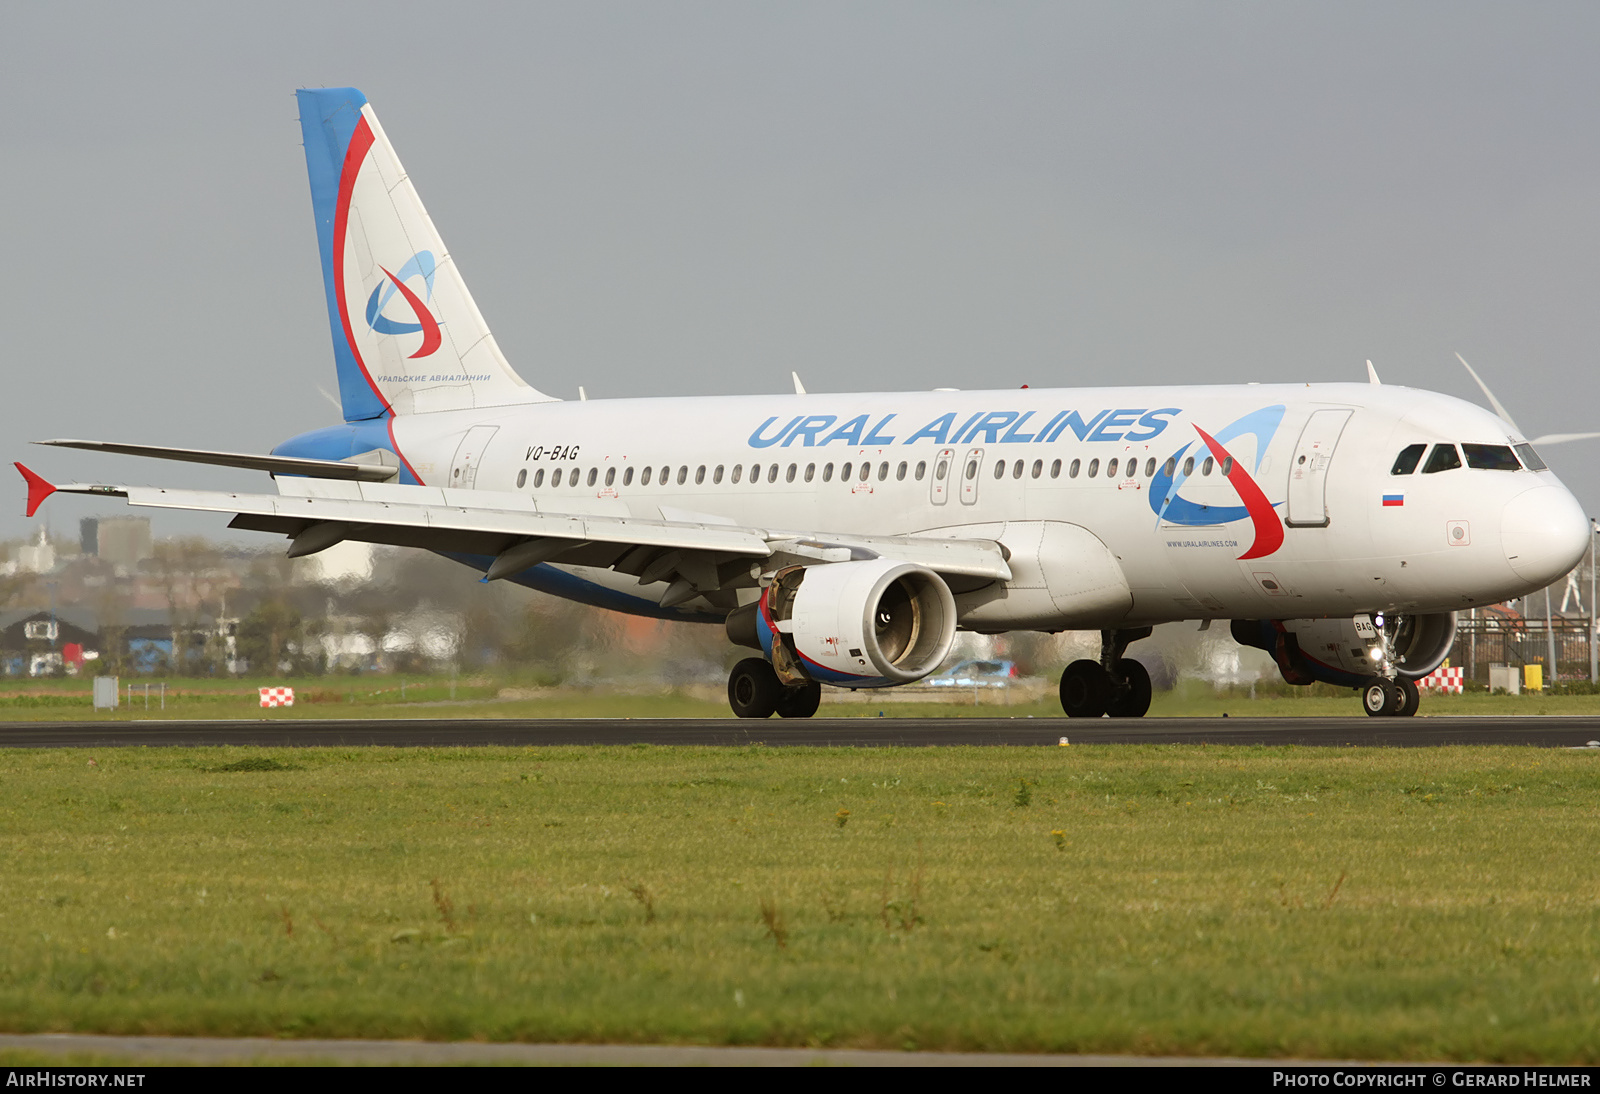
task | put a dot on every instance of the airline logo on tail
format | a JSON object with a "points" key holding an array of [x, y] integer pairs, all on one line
{"points": [[421, 265], [1172, 507]]}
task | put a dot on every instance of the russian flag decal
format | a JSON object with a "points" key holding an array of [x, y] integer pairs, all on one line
{"points": [[1394, 499]]}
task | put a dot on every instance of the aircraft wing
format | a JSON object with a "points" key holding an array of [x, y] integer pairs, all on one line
{"points": [[698, 558]]}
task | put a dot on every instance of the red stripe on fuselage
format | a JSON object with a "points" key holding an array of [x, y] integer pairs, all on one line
{"points": [[360, 142], [1269, 529]]}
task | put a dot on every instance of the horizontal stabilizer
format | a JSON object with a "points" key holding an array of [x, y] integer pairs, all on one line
{"points": [[274, 465]]}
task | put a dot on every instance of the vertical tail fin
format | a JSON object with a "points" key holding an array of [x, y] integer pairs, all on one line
{"points": [[407, 337]]}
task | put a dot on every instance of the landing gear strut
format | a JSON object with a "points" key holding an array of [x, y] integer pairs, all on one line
{"points": [[1115, 685], [754, 691]]}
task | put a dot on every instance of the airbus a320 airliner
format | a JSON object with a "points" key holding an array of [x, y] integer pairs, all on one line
{"points": [[847, 537]]}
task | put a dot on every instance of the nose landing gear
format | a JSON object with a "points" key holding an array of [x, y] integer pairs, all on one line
{"points": [[1387, 698], [1115, 685]]}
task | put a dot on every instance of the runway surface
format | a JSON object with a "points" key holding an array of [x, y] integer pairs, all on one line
{"points": [[1562, 732]]}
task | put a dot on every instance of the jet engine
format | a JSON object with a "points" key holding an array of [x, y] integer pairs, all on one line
{"points": [[1349, 652], [863, 624]]}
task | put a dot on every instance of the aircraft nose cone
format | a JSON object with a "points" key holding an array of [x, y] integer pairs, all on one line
{"points": [[1545, 534]]}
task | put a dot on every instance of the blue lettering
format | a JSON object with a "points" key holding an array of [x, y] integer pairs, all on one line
{"points": [[809, 429], [1115, 421], [873, 437], [936, 430], [1044, 434], [991, 426], [1078, 426], [1153, 423], [1012, 436], [758, 441], [955, 438], [850, 431]]}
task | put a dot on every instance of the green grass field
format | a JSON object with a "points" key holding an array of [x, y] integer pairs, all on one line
{"points": [[1422, 904]]}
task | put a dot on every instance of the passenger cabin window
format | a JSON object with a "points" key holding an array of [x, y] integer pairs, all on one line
{"points": [[866, 469], [538, 478], [1055, 469], [788, 475], [700, 475], [922, 469], [1094, 468], [1442, 458], [883, 471], [594, 475], [1000, 469], [683, 474], [1111, 468], [627, 476], [811, 471], [1227, 466], [772, 473], [555, 477], [1407, 461], [738, 472], [716, 476], [1150, 467], [611, 475], [644, 479], [844, 472], [1530, 458], [522, 477], [900, 472], [1038, 468], [1205, 468], [1491, 457], [827, 472], [1072, 472]]}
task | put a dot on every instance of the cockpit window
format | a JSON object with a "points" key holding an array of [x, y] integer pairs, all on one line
{"points": [[1530, 458], [1442, 458], [1491, 457], [1407, 461]]}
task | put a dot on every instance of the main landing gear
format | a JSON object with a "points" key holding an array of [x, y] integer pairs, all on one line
{"points": [[754, 691], [1384, 698], [1115, 685]]}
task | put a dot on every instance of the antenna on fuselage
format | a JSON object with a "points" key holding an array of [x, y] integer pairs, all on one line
{"points": [[799, 388], [1372, 374]]}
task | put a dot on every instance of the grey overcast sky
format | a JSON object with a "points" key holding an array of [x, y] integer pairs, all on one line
{"points": [[695, 198]]}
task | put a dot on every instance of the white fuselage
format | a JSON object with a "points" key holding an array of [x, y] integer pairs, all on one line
{"points": [[1334, 542]]}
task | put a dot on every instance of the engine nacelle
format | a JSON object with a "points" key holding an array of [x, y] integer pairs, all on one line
{"points": [[1349, 652], [866, 624]]}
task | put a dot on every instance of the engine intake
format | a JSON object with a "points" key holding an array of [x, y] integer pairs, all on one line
{"points": [[864, 624], [1347, 652]]}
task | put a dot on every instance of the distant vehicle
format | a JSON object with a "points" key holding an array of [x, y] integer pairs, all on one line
{"points": [[976, 674]]}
